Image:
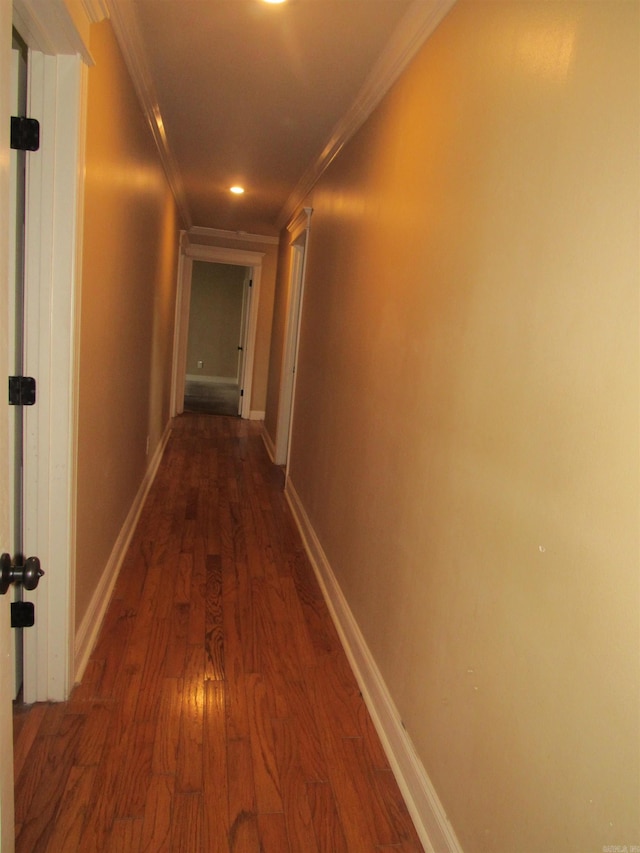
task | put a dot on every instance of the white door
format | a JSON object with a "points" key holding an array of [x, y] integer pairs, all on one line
{"points": [[52, 229], [16, 326], [6, 661]]}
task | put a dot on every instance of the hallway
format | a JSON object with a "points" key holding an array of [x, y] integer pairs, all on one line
{"points": [[218, 711]]}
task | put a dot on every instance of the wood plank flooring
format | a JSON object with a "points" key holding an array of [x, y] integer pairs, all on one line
{"points": [[218, 711], [211, 398]]}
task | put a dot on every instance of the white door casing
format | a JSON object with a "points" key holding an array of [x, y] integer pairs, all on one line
{"points": [[244, 323], [299, 236], [181, 333], [213, 254]]}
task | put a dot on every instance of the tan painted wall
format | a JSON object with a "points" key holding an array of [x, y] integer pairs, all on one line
{"points": [[127, 312], [466, 431], [215, 315]]}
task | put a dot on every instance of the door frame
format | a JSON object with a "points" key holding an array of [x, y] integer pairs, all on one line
{"points": [[57, 78], [244, 318], [213, 254], [298, 241]]}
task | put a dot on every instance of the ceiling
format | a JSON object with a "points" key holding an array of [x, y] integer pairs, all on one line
{"points": [[243, 92]]}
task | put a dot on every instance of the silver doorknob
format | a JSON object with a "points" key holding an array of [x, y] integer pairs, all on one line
{"points": [[28, 575]]}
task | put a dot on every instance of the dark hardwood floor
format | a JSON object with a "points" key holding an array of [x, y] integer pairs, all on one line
{"points": [[211, 398], [218, 711]]}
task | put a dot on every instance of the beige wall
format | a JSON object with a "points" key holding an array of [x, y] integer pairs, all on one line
{"points": [[466, 431], [127, 311], [215, 315]]}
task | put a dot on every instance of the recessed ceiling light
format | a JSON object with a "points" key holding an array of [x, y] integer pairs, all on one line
{"points": [[274, 1], [237, 190]]}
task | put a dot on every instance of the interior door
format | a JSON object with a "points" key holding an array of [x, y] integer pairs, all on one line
{"points": [[6, 659], [19, 59]]}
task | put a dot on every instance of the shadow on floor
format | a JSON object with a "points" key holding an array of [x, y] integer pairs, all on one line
{"points": [[212, 398]]}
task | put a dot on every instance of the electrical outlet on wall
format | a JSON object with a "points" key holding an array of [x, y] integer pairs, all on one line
{"points": [[201, 364]]}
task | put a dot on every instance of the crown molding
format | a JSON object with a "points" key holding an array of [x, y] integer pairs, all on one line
{"points": [[220, 233], [415, 27], [127, 32], [95, 10]]}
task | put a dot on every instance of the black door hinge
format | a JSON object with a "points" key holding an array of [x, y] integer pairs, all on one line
{"points": [[25, 133], [22, 391], [22, 614], [250, 282], [242, 392]]}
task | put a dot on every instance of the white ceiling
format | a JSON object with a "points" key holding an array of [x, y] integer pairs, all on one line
{"points": [[240, 91]]}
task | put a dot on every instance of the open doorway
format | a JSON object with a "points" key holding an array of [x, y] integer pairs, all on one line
{"points": [[251, 264], [216, 338]]}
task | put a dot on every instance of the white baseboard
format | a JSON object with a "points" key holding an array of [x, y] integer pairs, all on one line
{"points": [[268, 443], [211, 380], [256, 416], [87, 633], [430, 820]]}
